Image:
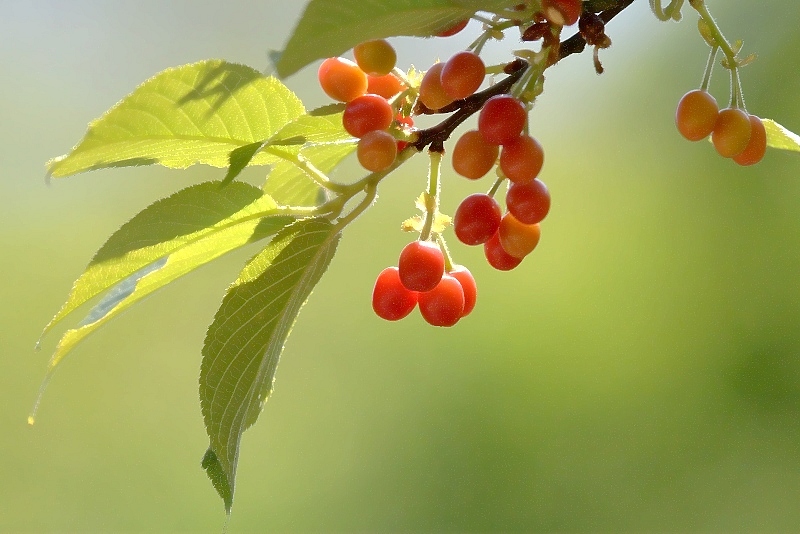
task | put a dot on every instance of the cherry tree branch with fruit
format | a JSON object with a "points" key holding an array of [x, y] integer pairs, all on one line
{"points": [[232, 116]]}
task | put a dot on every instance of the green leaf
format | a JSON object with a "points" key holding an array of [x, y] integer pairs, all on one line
{"points": [[331, 28], [289, 185], [781, 138], [196, 113], [244, 342], [188, 229], [312, 130]]}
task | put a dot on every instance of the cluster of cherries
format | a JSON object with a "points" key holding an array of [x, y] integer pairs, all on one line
{"points": [[508, 238], [420, 278], [366, 87], [735, 133], [378, 112]]}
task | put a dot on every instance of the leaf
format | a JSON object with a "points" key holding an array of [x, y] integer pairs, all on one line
{"points": [[330, 28], [317, 130], [158, 274], [244, 342], [781, 138], [191, 227], [289, 185], [196, 113]]}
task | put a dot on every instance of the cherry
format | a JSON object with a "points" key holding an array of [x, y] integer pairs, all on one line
{"points": [[405, 123], [528, 202], [467, 281], [477, 219], [377, 150], [421, 265], [522, 159], [367, 113], [385, 86], [390, 299], [731, 132], [696, 115], [431, 92], [462, 75], [444, 304], [516, 238], [757, 146], [454, 29], [502, 119], [497, 257], [562, 12], [376, 58], [341, 79], [473, 157]]}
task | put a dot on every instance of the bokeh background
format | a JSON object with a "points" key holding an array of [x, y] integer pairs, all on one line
{"points": [[639, 372]]}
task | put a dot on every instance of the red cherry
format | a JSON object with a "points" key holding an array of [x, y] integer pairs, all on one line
{"points": [[477, 219], [390, 298], [473, 157], [562, 12], [444, 304], [696, 115], [454, 29], [497, 257], [421, 265], [502, 119], [521, 160], [469, 286], [463, 74], [756, 147], [529, 202], [366, 114]]}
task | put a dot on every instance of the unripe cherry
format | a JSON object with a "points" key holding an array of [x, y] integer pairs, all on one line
{"points": [[756, 147], [516, 238], [377, 150], [421, 265], [696, 115], [444, 304], [731, 132], [341, 79], [477, 219], [467, 281], [431, 92], [376, 58], [366, 114], [521, 160], [473, 157], [529, 203], [502, 119], [390, 298], [497, 256], [463, 74]]}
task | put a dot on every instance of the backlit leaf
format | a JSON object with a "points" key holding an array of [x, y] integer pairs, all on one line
{"points": [[781, 138], [201, 222], [196, 113], [244, 342], [330, 28]]}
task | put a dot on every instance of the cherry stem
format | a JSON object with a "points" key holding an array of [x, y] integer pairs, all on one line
{"points": [[712, 57], [448, 259], [493, 191], [432, 197]]}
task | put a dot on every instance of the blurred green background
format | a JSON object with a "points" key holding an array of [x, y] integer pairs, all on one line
{"points": [[639, 372]]}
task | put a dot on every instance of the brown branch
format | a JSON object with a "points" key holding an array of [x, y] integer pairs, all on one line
{"points": [[435, 136], [576, 44]]}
